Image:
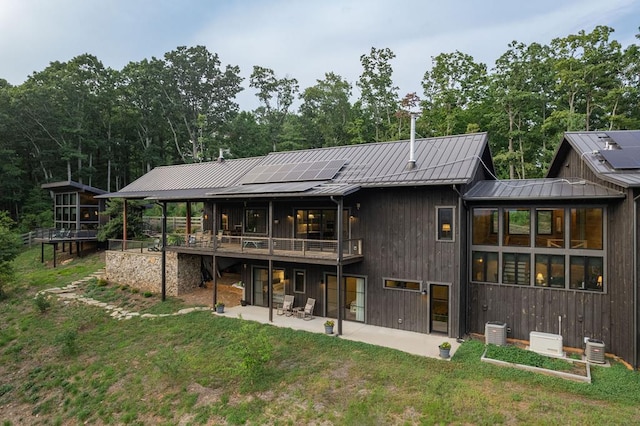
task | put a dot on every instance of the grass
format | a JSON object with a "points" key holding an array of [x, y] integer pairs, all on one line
{"points": [[73, 364], [517, 355]]}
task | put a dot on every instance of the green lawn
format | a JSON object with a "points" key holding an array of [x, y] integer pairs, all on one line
{"points": [[74, 364]]}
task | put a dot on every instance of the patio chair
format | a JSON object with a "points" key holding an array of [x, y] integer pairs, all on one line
{"points": [[308, 309], [287, 306], [155, 246]]}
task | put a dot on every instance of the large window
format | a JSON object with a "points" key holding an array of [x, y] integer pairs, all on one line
{"points": [[516, 268], [485, 266], [566, 246], [255, 221], [485, 226], [320, 224]]}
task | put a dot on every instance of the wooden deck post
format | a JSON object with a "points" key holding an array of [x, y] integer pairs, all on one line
{"points": [[164, 251]]}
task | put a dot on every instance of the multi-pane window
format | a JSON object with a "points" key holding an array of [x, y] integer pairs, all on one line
{"points": [[562, 243]]}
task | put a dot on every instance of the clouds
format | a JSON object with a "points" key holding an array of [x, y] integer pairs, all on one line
{"points": [[300, 39]]}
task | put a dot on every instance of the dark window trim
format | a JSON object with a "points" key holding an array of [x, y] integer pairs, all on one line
{"points": [[452, 224], [418, 290], [304, 280]]}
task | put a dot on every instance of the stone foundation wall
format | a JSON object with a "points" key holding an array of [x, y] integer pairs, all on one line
{"points": [[144, 271]]}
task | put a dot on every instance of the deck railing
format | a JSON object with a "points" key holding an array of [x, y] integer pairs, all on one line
{"points": [[132, 245], [63, 234], [280, 246]]}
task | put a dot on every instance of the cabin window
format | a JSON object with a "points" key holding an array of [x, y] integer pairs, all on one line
{"points": [[485, 226], [516, 268], [445, 230], [395, 284], [517, 227], [299, 281], [586, 228], [549, 271], [255, 221], [485, 266], [550, 228], [586, 273]]}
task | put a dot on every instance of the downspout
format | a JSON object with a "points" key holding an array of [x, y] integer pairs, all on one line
{"points": [[214, 266], [270, 231], [339, 203], [635, 283], [164, 250]]}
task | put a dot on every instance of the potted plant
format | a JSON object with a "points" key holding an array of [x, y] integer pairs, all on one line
{"points": [[328, 326], [445, 347], [219, 307]]}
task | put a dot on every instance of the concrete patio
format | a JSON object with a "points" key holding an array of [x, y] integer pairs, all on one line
{"points": [[406, 341]]}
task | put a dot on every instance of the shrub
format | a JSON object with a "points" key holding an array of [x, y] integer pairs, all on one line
{"points": [[42, 302], [68, 341], [147, 294]]}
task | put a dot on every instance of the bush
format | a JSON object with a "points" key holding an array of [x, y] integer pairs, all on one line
{"points": [[68, 341], [147, 294], [42, 302]]}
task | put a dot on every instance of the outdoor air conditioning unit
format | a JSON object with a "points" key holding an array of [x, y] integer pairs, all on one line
{"points": [[594, 351], [546, 343], [495, 332]]}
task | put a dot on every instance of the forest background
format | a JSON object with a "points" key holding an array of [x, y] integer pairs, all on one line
{"points": [[82, 121]]}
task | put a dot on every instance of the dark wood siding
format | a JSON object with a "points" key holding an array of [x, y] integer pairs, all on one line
{"points": [[607, 316], [399, 242]]}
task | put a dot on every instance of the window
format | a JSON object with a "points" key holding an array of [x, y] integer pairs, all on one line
{"points": [[567, 248], [485, 226], [516, 268], [402, 285], [550, 228], [320, 224], [586, 273], [517, 227], [299, 281], [255, 221], [586, 228], [445, 223], [485, 266], [549, 271]]}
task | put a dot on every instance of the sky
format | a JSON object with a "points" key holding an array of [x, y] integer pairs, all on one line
{"points": [[301, 39]]}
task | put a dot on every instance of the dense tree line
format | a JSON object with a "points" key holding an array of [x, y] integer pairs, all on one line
{"points": [[82, 121]]}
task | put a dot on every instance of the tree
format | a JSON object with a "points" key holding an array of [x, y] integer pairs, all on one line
{"points": [[276, 96], [10, 245], [199, 99], [114, 227], [453, 86], [326, 111], [378, 95]]}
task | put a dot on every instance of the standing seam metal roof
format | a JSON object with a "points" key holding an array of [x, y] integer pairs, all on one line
{"points": [[439, 161], [539, 189], [588, 145]]}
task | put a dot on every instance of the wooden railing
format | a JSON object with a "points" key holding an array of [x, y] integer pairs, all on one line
{"points": [[133, 245]]}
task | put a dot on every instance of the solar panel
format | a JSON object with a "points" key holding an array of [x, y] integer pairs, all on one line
{"points": [[628, 158], [266, 188], [625, 139], [290, 172]]}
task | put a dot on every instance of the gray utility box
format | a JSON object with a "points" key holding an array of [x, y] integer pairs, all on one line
{"points": [[594, 351], [495, 332]]}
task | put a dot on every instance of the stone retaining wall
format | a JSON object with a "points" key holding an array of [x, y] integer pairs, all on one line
{"points": [[144, 271]]}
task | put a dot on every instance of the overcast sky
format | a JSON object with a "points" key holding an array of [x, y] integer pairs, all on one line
{"points": [[300, 39]]}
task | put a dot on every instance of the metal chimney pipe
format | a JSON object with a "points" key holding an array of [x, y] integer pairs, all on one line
{"points": [[412, 140], [221, 155]]}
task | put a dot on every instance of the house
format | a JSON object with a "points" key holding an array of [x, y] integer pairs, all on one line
{"points": [[419, 235], [374, 233], [76, 216]]}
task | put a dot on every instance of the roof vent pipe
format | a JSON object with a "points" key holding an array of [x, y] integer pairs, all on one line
{"points": [[221, 155], [412, 141]]}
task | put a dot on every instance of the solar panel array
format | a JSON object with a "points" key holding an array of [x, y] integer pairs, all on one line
{"points": [[628, 156], [290, 172], [625, 139]]}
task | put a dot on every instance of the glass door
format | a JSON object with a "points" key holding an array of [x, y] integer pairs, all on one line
{"points": [[439, 308], [261, 286], [354, 297]]}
